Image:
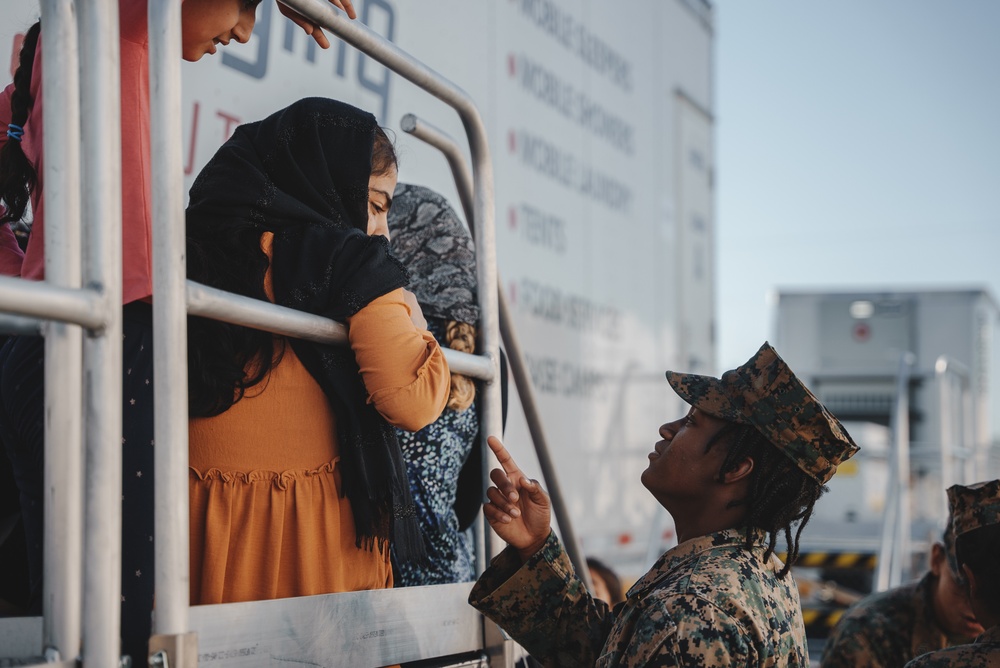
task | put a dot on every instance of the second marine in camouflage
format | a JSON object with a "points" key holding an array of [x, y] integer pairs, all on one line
{"points": [[887, 629], [975, 513], [745, 465]]}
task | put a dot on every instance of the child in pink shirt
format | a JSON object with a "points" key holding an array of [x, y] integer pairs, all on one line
{"points": [[205, 25]]}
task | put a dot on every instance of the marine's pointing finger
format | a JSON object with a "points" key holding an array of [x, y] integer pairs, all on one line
{"points": [[506, 461]]}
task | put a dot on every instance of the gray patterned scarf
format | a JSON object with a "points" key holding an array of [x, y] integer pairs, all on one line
{"points": [[431, 241]]}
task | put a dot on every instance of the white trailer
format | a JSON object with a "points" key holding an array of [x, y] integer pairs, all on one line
{"points": [[848, 346], [600, 122]]}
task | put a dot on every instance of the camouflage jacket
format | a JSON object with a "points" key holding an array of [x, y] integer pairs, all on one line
{"points": [[887, 629], [983, 653], [706, 602]]}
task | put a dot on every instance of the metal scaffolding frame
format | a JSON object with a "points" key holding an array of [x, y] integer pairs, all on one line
{"points": [[78, 310]]}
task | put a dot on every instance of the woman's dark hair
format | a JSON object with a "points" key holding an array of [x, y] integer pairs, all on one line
{"points": [[384, 158], [18, 176], [225, 361], [780, 495], [980, 551], [610, 578]]}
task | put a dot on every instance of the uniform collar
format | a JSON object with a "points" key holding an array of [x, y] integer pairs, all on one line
{"points": [[690, 549], [990, 635]]}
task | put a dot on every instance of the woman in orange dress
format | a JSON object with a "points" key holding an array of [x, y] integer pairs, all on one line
{"points": [[296, 478]]}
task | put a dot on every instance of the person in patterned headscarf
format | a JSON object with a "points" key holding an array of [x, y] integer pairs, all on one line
{"points": [[975, 513], [745, 465], [436, 248]]}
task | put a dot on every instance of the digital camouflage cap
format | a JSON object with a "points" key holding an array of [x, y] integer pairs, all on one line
{"points": [[766, 394], [974, 506]]}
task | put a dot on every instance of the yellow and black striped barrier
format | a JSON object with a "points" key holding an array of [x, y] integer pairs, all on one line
{"points": [[863, 560], [819, 623]]}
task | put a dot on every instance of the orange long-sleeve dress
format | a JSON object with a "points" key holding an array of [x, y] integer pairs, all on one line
{"points": [[268, 519]]}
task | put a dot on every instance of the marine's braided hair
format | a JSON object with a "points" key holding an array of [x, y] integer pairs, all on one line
{"points": [[17, 175], [780, 497]]}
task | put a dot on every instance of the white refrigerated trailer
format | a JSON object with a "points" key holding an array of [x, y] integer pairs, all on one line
{"points": [[913, 374], [596, 121]]}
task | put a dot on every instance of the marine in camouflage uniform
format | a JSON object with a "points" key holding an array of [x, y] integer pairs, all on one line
{"points": [[887, 629], [710, 601], [974, 509], [706, 602]]}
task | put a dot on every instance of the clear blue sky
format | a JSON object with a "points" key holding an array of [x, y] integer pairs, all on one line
{"points": [[858, 144]]}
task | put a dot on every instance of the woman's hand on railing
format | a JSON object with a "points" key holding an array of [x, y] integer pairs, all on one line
{"points": [[519, 509], [311, 28]]}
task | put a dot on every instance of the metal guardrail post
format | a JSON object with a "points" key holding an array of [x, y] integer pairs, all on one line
{"points": [[901, 434], [63, 496], [894, 549], [440, 140], [518, 367], [170, 623], [102, 352], [945, 369]]}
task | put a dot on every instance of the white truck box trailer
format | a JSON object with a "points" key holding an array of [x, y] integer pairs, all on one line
{"points": [[600, 119]]}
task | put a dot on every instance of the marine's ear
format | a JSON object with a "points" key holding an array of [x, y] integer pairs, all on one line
{"points": [[738, 472], [938, 559]]}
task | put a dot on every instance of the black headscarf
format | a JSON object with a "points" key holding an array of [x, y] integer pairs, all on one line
{"points": [[302, 173]]}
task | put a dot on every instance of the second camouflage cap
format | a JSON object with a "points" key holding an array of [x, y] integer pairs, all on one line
{"points": [[974, 506], [766, 394]]}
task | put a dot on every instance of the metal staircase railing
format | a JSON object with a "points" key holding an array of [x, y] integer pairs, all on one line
{"points": [[81, 617]]}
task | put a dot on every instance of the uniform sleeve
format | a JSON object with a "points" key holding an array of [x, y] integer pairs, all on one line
{"points": [[403, 368], [687, 630], [544, 606], [853, 643], [959, 656]]}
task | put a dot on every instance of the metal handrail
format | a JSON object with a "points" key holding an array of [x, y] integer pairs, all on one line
{"points": [[443, 142], [169, 330], [100, 113], [945, 367], [894, 543], [515, 357], [46, 301], [63, 499], [206, 301]]}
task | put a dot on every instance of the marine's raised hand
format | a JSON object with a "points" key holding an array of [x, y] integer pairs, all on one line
{"points": [[518, 508]]}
